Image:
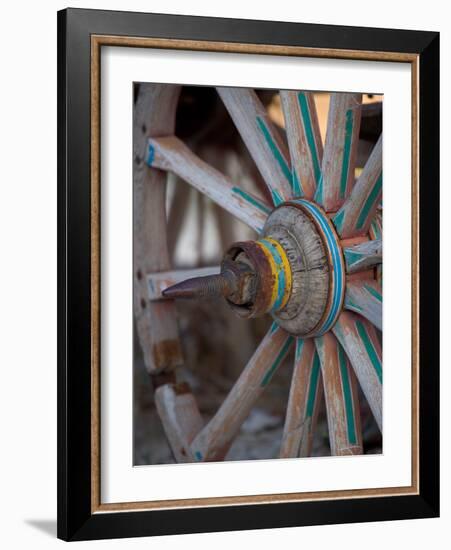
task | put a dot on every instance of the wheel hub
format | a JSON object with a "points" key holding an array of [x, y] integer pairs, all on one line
{"points": [[294, 271]]}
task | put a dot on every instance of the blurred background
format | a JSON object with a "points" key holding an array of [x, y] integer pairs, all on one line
{"points": [[216, 343]]}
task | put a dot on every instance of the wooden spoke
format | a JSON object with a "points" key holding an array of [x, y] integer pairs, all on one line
{"points": [[362, 346], [340, 392], [355, 216], [365, 297], [157, 282], [305, 396], [375, 232], [340, 150], [304, 140], [214, 440], [181, 418], [261, 137], [169, 153], [361, 257], [155, 321]]}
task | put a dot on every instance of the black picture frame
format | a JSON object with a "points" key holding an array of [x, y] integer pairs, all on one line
{"points": [[76, 521]]}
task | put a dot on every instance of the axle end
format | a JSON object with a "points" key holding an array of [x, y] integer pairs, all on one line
{"points": [[212, 286]]}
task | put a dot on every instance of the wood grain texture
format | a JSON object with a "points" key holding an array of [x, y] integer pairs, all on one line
{"points": [[306, 392], [365, 298], [169, 153], [181, 418], [263, 140], [262, 49], [340, 150], [355, 216], [307, 252], [154, 115], [304, 140], [157, 282], [340, 392], [361, 343], [375, 232], [363, 256], [214, 440]]}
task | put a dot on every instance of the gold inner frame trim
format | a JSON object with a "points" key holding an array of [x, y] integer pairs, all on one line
{"points": [[97, 41]]}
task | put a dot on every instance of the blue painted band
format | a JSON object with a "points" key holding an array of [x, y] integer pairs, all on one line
{"points": [[338, 273], [150, 154]]}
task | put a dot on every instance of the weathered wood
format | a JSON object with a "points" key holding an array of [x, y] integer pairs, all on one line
{"points": [[365, 298], [316, 264], [362, 346], [154, 115], [169, 153], [340, 150], [157, 282], [342, 402], [304, 140], [363, 256], [356, 214], [306, 391], [262, 139], [375, 232], [181, 418], [214, 440]]}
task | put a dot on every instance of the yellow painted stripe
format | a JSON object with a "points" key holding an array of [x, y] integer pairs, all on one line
{"points": [[286, 268], [272, 264], [275, 270]]}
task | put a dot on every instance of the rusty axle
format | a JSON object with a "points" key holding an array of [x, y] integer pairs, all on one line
{"points": [[211, 286], [233, 283]]}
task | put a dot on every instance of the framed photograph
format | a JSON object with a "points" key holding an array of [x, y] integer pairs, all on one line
{"points": [[248, 274]]}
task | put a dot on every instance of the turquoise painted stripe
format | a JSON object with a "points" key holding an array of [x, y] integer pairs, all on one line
{"points": [[296, 186], [319, 191], [349, 304], [372, 354], [347, 395], [281, 279], [314, 377], [369, 203], [338, 276], [349, 124], [338, 220], [252, 200], [274, 150], [306, 118], [351, 256], [278, 360], [198, 455], [150, 154], [274, 327], [299, 348], [276, 197], [373, 292]]}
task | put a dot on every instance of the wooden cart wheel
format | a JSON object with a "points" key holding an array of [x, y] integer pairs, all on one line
{"points": [[315, 267]]}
